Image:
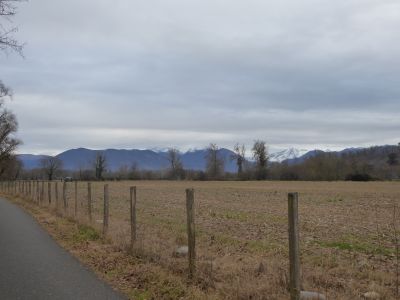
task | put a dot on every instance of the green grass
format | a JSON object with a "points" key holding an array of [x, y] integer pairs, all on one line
{"points": [[335, 200], [139, 295], [86, 233], [235, 215], [356, 247]]}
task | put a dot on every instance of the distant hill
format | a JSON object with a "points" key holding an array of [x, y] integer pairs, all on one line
{"points": [[31, 161], [313, 153], [82, 158]]}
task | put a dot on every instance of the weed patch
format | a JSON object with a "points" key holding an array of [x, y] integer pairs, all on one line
{"points": [[85, 233]]}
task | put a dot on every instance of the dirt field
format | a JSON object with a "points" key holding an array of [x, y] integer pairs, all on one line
{"points": [[347, 234]]}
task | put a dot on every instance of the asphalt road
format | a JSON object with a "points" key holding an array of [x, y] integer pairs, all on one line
{"points": [[34, 266]]}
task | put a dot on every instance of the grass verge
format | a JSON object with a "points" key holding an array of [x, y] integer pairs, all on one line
{"points": [[134, 276]]}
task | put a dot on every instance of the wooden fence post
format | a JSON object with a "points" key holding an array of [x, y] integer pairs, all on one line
{"points": [[49, 191], [106, 211], [57, 196], [65, 196], [191, 232], [89, 201], [42, 193], [133, 215], [76, 199], [294, 250], [38, 192], [34, 192]]}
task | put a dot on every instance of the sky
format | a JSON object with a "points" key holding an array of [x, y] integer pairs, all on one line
{"points": [[309, 74]]}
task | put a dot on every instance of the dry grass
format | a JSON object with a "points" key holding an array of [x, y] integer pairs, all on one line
{"points": [[346, 236]]}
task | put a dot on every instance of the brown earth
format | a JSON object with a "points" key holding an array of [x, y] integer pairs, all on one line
{"points": [[348, 233]]}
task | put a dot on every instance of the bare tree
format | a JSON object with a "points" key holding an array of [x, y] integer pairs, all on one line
{"points": [[11, 168], [134, 173], [239, 157], [122, 173], [215, 164], [393, 159], [4, 91], [100, 165], [8, 127], [8, 121], [260, 154], [176, 167], [51, 166], [7, 10]]}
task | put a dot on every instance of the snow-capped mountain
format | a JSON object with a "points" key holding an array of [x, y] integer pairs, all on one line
{"points": [[290, 153]]}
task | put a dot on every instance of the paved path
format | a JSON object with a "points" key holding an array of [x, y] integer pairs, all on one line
{"points": [[34, 266]]}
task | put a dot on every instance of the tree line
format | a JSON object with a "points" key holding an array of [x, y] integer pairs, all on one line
{"points": [[52, 167], [375, 163]]}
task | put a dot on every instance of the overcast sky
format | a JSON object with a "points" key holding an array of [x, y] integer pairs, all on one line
{"points": [[160, 73]]}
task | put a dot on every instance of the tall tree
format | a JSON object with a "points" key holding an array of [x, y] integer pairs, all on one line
{"points": [[393, 159], [100, 165], [260, 154], [8, 121], [215, 163], [51, 166], [176, 167], [8, 127], [239, 157], [11, 168]]}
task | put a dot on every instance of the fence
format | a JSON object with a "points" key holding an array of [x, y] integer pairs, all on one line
{"points": [[233, 237]]}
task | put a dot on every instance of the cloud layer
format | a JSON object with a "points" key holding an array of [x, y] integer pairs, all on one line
{"points": [[143, 74]]}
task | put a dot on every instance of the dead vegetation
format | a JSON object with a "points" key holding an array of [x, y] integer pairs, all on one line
{"points": [[348, 236]]}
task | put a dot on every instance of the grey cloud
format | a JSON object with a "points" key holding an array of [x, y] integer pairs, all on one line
{"points": [[300, 73]]}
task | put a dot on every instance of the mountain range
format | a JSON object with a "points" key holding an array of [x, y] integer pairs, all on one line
{"points": [[83, 158]]}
